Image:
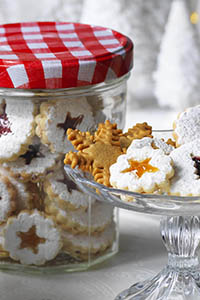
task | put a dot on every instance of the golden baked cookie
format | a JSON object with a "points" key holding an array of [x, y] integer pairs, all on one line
{"points": [[95, 153]]}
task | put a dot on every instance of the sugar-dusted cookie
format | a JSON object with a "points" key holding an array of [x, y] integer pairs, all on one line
{"points": [[187, 126], [27, 193], [16, 127], [154, 142], [8, 196], [142, 170], [32, 238], [62, 190], [3, 252], [80, 221], [95, 153], [34, 163], [186, 160], [82, 246], [57, 116]]}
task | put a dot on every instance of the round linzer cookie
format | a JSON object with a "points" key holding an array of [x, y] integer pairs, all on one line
{"points": [[57, 116], [34, 163], [79, 221], [81, 246], [32, 238], [16, 127], [3, 252], [143, 170], [187, 126], [153, 142], [62, 190], [27, 194], [8, 196], [186, 180]]}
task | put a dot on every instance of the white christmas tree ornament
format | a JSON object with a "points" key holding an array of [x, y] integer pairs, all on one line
{"points": [[177, 78]]}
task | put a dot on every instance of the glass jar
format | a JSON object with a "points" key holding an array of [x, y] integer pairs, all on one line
{"points": [[46, 222]]}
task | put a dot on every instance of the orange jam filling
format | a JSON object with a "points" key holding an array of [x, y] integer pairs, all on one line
{"points": [[30, 239], [141, 167]]}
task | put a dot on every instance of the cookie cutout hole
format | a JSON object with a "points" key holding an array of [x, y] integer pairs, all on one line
{"points": [[30, 239], [140, 167], [33, 152], [70, 123], [196, 159], [71, 185]]}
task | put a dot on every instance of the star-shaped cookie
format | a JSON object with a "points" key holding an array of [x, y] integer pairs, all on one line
{"points": [[96, 153]]}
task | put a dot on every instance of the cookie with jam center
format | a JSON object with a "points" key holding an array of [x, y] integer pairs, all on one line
{"points": [[62, 190], [57, 116], [35, 163], [17, 121]]}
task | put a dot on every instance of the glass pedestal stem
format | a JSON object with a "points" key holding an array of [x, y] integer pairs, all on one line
{"points": [[180, 279]]}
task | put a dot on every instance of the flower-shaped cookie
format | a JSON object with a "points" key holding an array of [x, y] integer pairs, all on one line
{"points": [[79, 221], [27, 195], [153, 142], [143, 170], [186, 180], [81, 246], [35, 163], [16, 127], [8, 196], [57, 116], [187, 126], [32, 238], [62, 190]]}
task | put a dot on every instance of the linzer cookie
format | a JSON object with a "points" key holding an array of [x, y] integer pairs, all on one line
{"points": [[94, 220], [57, 116], [187, 126], [143, 170], [27, 194], [16, 127], [186, 160], [8, 196], [3, 252], [61, 189], [34, 164], [82, 246], [32, 238]]}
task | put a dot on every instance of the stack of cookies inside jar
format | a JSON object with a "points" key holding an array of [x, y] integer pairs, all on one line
{"points": [[53, 80]]}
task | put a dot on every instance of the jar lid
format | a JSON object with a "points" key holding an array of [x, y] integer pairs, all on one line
{"points": [[52, 55]]}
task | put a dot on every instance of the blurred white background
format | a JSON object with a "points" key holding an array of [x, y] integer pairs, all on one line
{"points": [[145, 22]]}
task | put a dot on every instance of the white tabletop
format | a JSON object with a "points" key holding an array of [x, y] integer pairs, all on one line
{"points": [[141, 253]]}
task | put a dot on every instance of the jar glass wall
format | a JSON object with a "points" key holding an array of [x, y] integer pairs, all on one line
{"points": [[47, 223]]}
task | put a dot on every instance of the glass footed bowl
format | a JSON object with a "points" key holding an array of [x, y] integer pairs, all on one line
{"points": [[180, 232]]}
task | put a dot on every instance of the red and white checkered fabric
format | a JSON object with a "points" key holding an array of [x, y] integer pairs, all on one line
{"points": [[61, 55]]}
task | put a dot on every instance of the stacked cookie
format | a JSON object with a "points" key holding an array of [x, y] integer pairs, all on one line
{"points": [[42, 212], [140, 162]]}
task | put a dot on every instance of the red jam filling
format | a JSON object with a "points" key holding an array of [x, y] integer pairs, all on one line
{"points": [[196, 159], [4, 122]]}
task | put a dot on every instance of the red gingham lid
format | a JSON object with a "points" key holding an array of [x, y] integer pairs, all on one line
{"points": [[61, 55]]}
